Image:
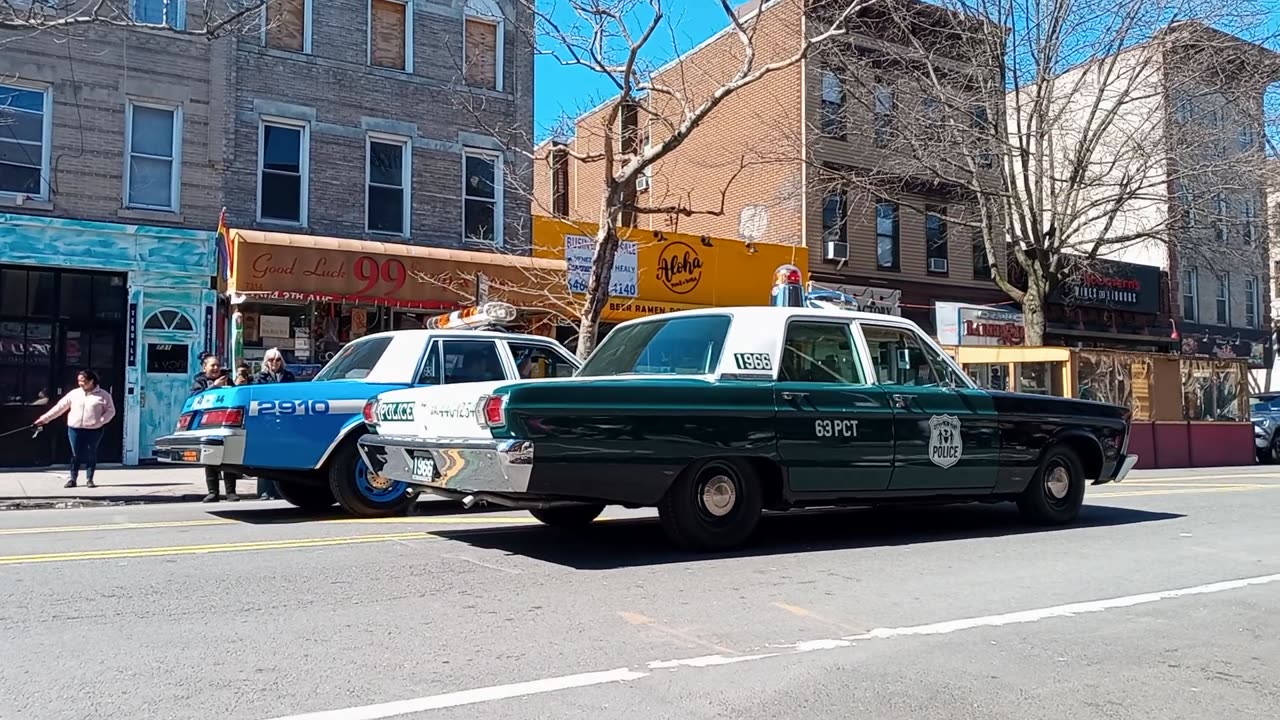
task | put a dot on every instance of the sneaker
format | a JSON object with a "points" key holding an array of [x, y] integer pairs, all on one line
{"points": [[232, 497], [90, 484], [70, 484], [211, 497]]}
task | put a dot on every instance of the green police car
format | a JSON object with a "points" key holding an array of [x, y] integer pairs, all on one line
{"points": [[716, 415]]}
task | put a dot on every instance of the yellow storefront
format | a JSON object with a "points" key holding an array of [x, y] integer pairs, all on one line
{"points": [[659, 272]]}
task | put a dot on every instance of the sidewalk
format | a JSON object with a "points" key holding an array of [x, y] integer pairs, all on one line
{"points": [[23, 489]]}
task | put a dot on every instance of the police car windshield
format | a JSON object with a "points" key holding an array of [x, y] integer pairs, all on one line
{"points": [[675, 346]]}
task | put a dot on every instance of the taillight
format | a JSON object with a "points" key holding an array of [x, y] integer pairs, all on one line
{"points": [[184, 421], [223, 417], [371, 411], [491, 411]]}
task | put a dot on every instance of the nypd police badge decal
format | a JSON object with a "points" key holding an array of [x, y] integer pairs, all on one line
{"points": [[945, 445]]}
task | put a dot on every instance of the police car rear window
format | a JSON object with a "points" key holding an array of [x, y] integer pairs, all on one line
{"points": [[678, 346], [356, 360]]}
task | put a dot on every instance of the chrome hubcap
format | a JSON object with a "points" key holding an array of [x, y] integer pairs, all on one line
{"points": [[719, 496], [1057, 482]]}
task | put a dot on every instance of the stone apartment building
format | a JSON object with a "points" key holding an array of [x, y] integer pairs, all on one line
{"points": [[330, 133], [757, 167]]}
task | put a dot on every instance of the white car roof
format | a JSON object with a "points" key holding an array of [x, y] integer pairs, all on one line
{"points": [[772, 314], [399, 362]]}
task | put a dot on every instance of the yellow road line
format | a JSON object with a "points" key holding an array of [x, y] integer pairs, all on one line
{"points": [[115, 526], [217, 548], [1224, 476], [411, 520], [1187, 491]]}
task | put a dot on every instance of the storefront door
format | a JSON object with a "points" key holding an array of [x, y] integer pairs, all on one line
{"points": [[170, 352], [83, 346]]}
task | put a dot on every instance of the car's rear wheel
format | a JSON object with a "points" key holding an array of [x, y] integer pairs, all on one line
{"points": [[1273, 451], [359, 491], [1055, 494], [574, 516], [715, 505], [304, 495]]}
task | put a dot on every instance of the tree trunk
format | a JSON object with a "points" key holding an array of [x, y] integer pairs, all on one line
{"points": [[598, 286], [1033, 314]]}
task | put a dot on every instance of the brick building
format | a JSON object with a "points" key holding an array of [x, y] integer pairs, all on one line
{"points": [[755, 169], [368, 132]]}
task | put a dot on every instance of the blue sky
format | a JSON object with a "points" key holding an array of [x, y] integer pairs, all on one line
{"points": [[561, 90]]}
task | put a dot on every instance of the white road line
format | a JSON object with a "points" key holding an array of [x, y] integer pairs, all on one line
{"points": [[565, 682]]}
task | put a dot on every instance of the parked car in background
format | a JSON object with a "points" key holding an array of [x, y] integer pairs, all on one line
{"points": [[303, 435], [715, 415], [1264, 410]]}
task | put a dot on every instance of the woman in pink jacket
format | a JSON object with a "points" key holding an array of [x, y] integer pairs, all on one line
{"points": [[91, 408]]}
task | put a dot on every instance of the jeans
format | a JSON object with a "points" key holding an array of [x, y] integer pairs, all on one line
{"points": [[84, 450]]}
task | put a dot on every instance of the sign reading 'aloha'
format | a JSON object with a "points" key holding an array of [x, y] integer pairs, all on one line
{"points": [[679, 267]]}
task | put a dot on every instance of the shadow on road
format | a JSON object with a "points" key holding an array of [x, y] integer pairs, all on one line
{"points": [[633, 543], [289, 515]]}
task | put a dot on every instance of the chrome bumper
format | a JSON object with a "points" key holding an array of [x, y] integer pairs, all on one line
{"points": [[467, 464], [217, 447], [1125, 467]]}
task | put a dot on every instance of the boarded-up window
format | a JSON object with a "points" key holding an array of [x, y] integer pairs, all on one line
{"points": [[481, 42], [287, 24], [388, 34]]}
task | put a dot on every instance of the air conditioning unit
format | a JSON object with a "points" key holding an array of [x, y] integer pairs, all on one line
{"points": [[642, 183], [837, 250], [937, 265]]}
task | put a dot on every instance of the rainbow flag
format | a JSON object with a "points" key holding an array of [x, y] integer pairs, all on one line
{"points": [[225, 251]]}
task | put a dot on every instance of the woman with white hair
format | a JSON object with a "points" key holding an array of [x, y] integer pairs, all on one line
{"points": [[273, 369]]}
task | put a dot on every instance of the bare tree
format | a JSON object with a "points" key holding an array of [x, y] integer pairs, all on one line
{"points": [[1062, 131], [212, 19], [624, 41]]}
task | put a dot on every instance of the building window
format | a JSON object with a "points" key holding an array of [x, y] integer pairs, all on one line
{"points": [[833, 125], [287, 25], [1249, 221], [153, 173], [1222, 301], [282, 172], [160, 12], [1247, 137], [482, 196], [835, 227], [391, 34], [981, 261], [1220, 220], [1251, 302], [482, 43], [559, 181], [887, 235], [883, 105], [387, 190], [935, 237], [979, 122], [24, 141], [1190, 295]]}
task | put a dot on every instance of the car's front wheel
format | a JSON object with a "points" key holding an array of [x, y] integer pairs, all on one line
{"points": [[715, 505], [360, 491], [1055, 494], [574, 516], [1273, 450], [304, 495]]}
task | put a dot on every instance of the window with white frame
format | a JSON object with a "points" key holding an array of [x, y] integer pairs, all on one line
{"points": [[160, 12], [1220, 220], [153, 172], [282, 172], [24, 141], [1190, 295], [1251, 301], [1249, 221], [391, 34], [482, 196], [1222, 301], [483, 35], [387, 190]]}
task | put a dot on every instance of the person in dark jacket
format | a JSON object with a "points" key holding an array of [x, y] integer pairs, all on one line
{"points": [[212, 375], [273, 371]]}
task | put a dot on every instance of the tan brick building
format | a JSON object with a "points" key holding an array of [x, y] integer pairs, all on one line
{"points": [[753, 169]]}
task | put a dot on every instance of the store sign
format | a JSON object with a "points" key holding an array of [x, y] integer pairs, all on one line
{"points": [[965, 324], [1113, 285], [885, 301], [580, 253], [1211, 341], [131, 337], [679, 268]]}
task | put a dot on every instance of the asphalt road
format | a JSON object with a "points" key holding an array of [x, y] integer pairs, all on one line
{"points": [[1162, 602]]}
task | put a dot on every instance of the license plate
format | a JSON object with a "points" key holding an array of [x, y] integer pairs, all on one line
{"points": [[190, 456], [424, 468]]}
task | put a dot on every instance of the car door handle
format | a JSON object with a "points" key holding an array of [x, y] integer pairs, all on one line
{"points": [[790, 396], [901, 402]]}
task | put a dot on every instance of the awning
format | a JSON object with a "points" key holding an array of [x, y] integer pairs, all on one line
{"points": [[273, 265]]}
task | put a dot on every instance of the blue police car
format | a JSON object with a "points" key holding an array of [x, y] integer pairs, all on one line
{"points": [[303, 435]]}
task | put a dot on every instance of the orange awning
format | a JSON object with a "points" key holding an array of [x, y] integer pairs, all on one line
{"points": [[312, 267]]}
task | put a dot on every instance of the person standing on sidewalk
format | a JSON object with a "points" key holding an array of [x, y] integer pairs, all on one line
{"points": [[273, 371], [212, 375], [90, 408]]}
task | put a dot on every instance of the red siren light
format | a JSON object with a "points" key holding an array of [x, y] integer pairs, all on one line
{"points": [[787, 275]]}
